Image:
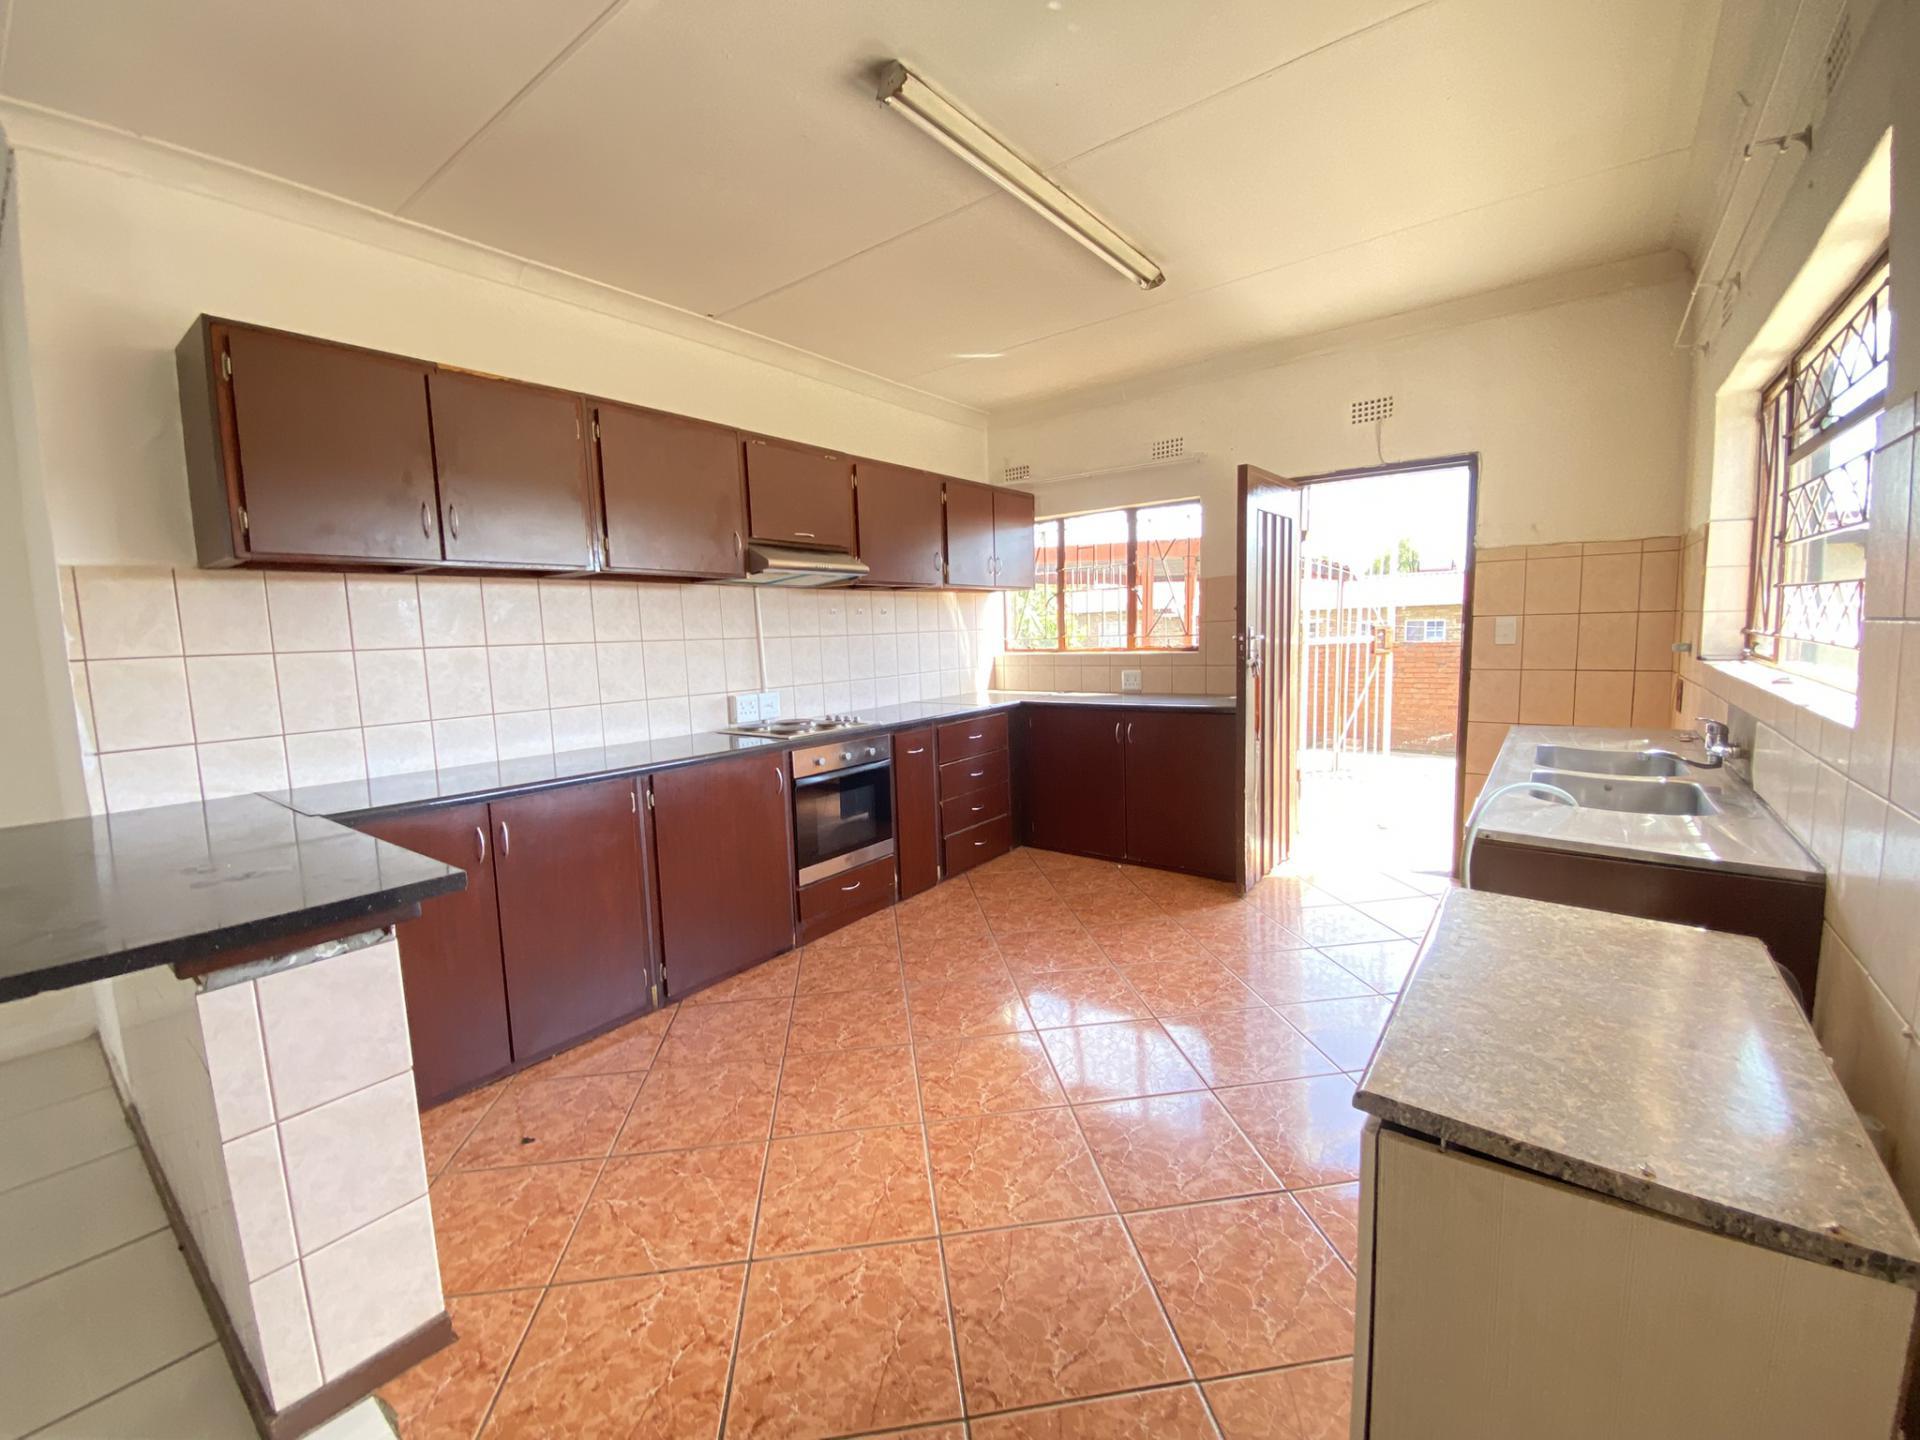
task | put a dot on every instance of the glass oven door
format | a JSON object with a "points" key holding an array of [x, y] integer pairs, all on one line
{"points": [[842, 819]]}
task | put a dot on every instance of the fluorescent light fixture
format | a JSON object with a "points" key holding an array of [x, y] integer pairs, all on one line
{"points": [[908, 94]]}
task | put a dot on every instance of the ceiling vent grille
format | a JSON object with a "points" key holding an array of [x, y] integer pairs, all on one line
{"points": [[1170, 449], [1366, 412], [1016, 473], [1839, 51]]}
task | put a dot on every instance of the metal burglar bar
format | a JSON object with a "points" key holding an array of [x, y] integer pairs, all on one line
{"points": [[1819, 424]]}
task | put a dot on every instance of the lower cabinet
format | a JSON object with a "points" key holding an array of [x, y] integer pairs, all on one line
{"points": [[575, 926], [916, 816], [1075, 774], [450, 960], [723, 832]]}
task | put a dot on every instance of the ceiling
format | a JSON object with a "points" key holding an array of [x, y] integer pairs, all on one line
{"points": [[1293, 166]]}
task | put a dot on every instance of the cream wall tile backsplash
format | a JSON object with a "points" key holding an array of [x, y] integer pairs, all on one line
{"points": [[195, 683]]}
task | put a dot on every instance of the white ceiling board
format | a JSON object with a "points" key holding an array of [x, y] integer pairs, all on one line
{"points": [[1563, 228], [361, 98]]}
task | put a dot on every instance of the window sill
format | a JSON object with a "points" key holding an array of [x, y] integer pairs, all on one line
{"points": [[1827, 702], [1070, 654]]}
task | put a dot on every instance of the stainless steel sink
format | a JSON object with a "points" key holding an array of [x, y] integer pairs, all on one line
{"points": [[1609, 762], [1638, 797]]}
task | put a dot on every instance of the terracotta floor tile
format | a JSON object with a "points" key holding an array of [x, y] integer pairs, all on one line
{"points": [[1051, 950], [1336, 1210], [1169, 888], [681, 1106], [991, 1075], [842, 1342], [1174, 1413], [1012, 1170], [1119, 905], [1244, 1047], [1383, 965], [1248, 1283], [879, 930], [1309, 1402], [736, 1030], [1345, 1030], [445, 1128], [849, 1020], [502, 1229], [854, 1187], [626, 1049], [1119, 1061], [1306, 1130], [1027, 1336], [769, 980], [445, 1396], [1241, 935], [1339, 925], [826, 971], [633, 1358], [956, 923], [1285, 977], [541, 1120], [665, 1211], [943, 961], [1039, 914], [1171, 1150], [1080, 997], [965, 1008], [1145, 942], [1353, 885], [1190, 984], [1409, 917], [846, 1089]]}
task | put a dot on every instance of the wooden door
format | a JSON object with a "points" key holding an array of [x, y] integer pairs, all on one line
{"points": [[899, 514], [672, 497], [1012, 539], [1183, 775], [916, 812], [574, 922], [969, 534], [332, 448], [1075, 777], [450, 962], [512, 461], [723, 832], [799, 496], [1268, 649]]}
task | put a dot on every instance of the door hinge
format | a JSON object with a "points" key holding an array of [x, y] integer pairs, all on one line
{"points": [[246, 527], [226, 364], [656, 994], [596, 428]]}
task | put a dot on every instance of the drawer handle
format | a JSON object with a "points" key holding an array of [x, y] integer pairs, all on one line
{"points": [[978, 843], [975, 774], [977, 735], [846, 889], [804, 535], [921, 750]]}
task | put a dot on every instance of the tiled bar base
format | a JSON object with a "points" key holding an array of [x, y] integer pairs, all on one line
{"points": [[280, 1111], [1059, 1148]]}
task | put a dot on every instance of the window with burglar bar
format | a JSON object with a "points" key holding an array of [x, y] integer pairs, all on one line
{"points": [[1819, 424], [1113, 580]]}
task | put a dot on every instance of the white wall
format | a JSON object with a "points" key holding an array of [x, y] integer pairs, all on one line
{"points": [[1576, 407]]}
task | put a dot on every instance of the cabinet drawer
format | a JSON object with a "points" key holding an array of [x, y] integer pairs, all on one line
{"points": [[828, 904], [978, 844], [981, 772], [976, 808], [962, 738]]}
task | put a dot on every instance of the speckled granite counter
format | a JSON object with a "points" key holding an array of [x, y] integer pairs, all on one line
{"points": [[1661, 1065]]}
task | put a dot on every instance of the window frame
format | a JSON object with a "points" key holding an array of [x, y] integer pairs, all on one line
{"points": [[1133, 586], [1782, 448]]}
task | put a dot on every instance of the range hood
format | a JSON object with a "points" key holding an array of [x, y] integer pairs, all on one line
{"points": [[791, 565]]}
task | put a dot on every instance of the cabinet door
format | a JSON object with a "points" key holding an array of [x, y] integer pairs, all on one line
{"points": [[915, 814], [1075, 775], [969, 534], [333, 449], [724, 833], [574, 922], [799, 496], [671, 494], [1012, 539], [1182, 791], [513, 473], [899, 513], [450, 957]]}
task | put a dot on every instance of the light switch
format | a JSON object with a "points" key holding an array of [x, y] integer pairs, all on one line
{"points": [[1506, 629], [769, 705], [1129, 679]]}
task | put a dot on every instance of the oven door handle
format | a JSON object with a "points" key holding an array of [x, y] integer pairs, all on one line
{"points": [[800, 782]]}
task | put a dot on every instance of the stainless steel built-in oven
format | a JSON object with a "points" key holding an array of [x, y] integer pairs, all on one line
{"points": [[842, 805]]}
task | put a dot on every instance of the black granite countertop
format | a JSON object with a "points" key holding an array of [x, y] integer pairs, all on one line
{"points": [[92, 898]]}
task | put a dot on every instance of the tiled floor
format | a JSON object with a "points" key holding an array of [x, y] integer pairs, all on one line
{"points": [[1059, 1149]]}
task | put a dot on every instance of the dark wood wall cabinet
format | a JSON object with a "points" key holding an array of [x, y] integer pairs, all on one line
{"points": [[1155, 787], [307, 452]]}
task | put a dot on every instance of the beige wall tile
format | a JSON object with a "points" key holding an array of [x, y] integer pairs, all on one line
{"points": [[322, 757], [519, 677], [566, 612], [1485, 553], [1483, 744], [523, 733], [573, 676], [1660, 580], [318, 691], [308, 612], [451, 612], [1607, 640], [383, 612], [512, 610], [140, 704], [1554, 552], [1487, 654], [240, 767], [1611, 582], [1661, 542], [458, 683], [353, 1160], [1870, 760], [373, 1287], [1603, 697], [282, 1348], [1904, 785], [1553, 586], [466, 741], [1610, 547], [223, 612], [233, 696], [135, 779], [397, 749], [1494, 695], [392, 685], [334, 1028], [1653, 699], [1887, 529], [257, 1183], [1550, 642], [127, 613], [1546, 697], [1500, 587], [1654, 634]]}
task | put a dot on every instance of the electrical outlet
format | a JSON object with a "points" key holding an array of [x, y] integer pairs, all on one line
{"points": [[744, 709], [1130, 680], [769, 705]]}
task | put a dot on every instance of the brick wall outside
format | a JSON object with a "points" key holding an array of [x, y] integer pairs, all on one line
{"points": [[1426, 685]]}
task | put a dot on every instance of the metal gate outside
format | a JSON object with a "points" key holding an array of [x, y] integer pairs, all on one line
{"points": [[1346, 665]]}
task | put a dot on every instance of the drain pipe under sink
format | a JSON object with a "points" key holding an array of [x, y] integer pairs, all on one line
{"points": [[1480, 808]]}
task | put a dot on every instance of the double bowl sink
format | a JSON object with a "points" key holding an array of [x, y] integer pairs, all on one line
{"points": [[1640, 782]]}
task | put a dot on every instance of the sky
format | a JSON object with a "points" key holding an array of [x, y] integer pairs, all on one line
{"points": [[1356, 520]]}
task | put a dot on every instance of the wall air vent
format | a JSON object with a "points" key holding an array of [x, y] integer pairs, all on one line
{"points": [[1366, 412], [1017, 473], [1839, 51], [1170, 449]]}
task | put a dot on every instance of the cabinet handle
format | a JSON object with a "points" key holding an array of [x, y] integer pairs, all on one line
{"points": [[780, 779], [847, 889], [978, 843], [977, 735], [736, 544], [804, 535], [633, 802], [506, 840], [453, 520], [1116, 732], [426, 518], [978, 808], [480, 845], [1129, 732], [975, 774], [919, 750]]}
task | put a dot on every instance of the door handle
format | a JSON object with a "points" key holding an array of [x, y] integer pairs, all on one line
{"points": [[426, 518], [453, 520], [480, 845], [506, 840]]}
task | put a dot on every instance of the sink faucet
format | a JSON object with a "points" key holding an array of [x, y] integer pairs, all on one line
{"points": [[1716, 740]]}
